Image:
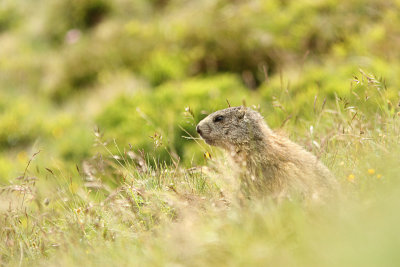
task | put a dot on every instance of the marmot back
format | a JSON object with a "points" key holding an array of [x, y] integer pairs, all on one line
{"points": [[268, 162]]}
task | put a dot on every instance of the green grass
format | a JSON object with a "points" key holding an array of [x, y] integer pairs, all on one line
{"points": [[100, 164], [128, 208]]}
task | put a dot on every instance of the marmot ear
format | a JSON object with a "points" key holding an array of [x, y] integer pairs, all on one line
{"points": [[241, 112]]}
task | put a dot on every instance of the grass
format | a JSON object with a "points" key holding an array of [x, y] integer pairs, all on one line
{"points": [[126, 208], [142, 190]]}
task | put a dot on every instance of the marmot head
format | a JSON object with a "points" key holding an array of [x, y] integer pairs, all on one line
{"points": [[232, 127]]}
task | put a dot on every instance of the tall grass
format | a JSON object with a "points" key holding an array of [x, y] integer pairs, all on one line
{"points": [[128, 209]]}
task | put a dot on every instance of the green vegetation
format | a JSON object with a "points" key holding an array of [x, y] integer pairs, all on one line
{"points": [[99, 161]]}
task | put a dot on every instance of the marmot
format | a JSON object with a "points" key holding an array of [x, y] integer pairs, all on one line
{"points": [[268, 162]]}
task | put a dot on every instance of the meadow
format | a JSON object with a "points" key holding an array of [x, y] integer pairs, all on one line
{"points": [[100, 162]]}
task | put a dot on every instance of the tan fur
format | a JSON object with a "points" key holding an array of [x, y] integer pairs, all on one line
{"points": [[268, 162]]}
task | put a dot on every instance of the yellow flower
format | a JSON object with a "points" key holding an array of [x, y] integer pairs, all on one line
{"points": [[379, 176], [57, 132], [371, 171], [351, 177], [207, 155], [22, 156]]}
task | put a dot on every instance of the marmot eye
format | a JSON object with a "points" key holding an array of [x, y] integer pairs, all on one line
{"points": [[218, 118]]}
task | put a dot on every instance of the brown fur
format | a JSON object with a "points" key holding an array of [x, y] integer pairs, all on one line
{"points": [[268, 162]]}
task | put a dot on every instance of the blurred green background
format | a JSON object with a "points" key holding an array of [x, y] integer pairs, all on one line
{"points": [[153, 68]]}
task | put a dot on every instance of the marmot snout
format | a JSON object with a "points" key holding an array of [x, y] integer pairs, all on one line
{"points": [[270, 161]]}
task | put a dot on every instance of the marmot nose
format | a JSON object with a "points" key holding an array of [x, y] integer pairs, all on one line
{"points": [[198, 129]]}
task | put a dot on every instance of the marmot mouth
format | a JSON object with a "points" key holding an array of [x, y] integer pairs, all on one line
{"points": [[207, 140]]}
